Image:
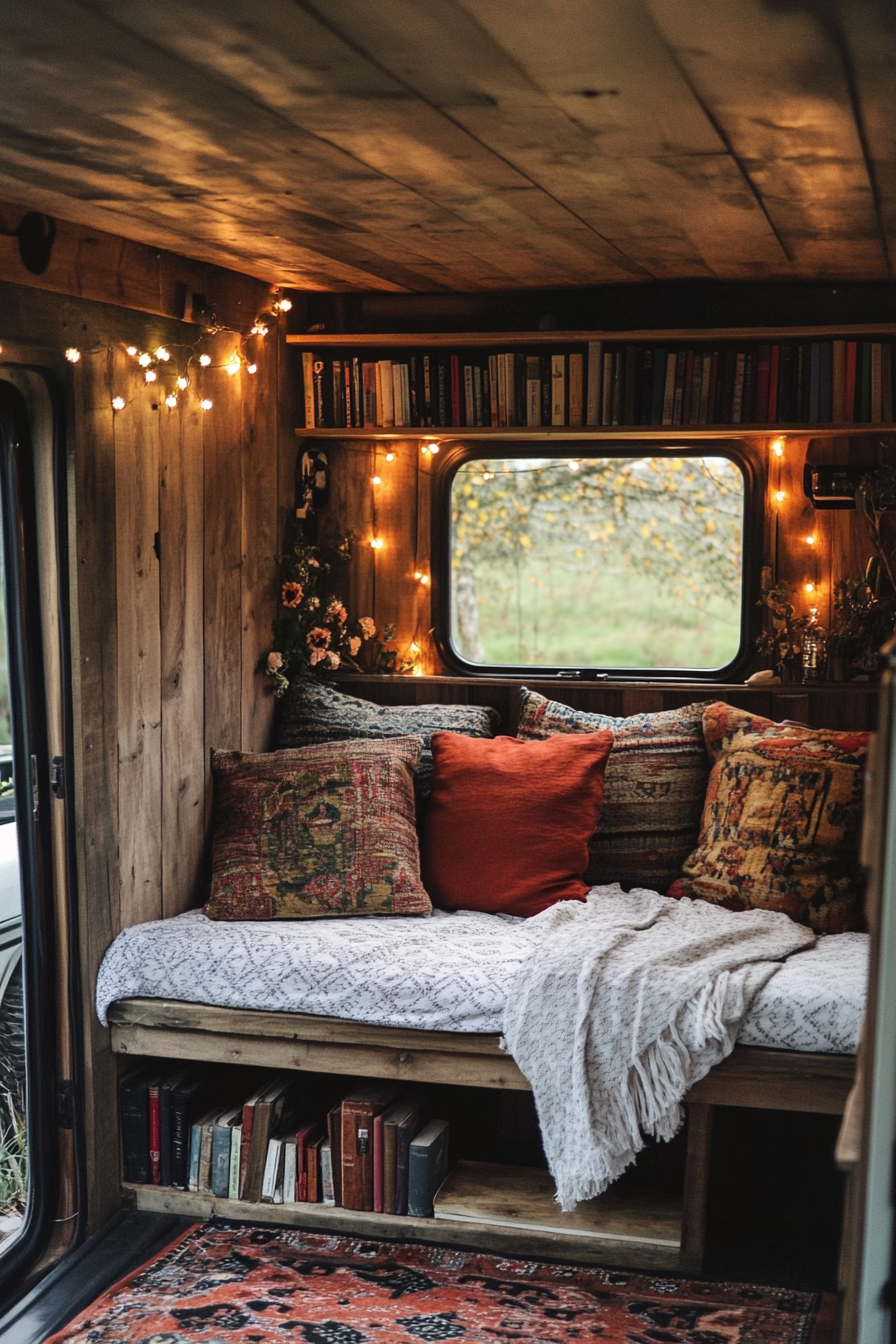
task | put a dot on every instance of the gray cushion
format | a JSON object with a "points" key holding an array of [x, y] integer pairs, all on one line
{"points": [[312, 712]]}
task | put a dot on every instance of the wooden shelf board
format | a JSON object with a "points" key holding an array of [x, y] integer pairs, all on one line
{"points": [[594, 432], [702, 335], [502, 1239], [778, 1079]]}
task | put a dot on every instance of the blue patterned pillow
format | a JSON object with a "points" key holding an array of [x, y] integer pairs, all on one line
{"points": [[312, 712]]}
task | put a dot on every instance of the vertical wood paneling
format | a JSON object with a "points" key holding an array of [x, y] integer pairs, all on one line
{"points": [[396, 501], [95, 660], [260, 546], [139, 655], [182, 670], [222, 509], [352, 508]]}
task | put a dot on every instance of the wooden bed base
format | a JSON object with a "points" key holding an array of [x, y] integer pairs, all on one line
{"points": [[772, 1079]]}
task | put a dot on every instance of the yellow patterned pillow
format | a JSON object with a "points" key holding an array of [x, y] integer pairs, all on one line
{"points": [[780, 826]]}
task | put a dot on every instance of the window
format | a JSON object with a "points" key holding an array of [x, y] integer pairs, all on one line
{"points": [[621, 562]]}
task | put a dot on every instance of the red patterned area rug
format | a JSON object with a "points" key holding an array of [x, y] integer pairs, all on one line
{"points": [[234, 1283]]}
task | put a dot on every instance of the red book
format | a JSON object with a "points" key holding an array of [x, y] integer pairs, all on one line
{"points": [[455, 391], [378, 1163], [849, 393], [155, 1134], [763, 368], [304, 1137], [312, 1167], [773, 372], [349, 420]]}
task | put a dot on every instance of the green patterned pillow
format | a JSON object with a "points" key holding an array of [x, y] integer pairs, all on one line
{"points": [[319, 831], [653, 790]]}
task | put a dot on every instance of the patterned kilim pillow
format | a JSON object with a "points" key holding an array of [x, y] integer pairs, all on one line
{"points": [[312, 712], [325, 830], [653, 791], [780, 828]]}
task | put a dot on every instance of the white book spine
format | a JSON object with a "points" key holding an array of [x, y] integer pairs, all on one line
{"points": [[271, 1170], [289, 1172], [308, 384], [236, 1143], [558, 389], [397, 399], [387, 400], [328, 1194]]}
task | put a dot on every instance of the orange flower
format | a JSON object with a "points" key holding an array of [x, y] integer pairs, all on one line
{"points": [[292, 594], [318, 638]]}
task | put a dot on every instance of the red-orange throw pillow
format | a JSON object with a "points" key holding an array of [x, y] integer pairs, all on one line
{"points": [[509, 821]]}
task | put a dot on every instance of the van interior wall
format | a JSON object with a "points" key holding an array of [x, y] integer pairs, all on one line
{"points": [[176, 518], [381, 583]]}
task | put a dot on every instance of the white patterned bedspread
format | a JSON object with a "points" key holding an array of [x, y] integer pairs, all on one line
{"points": [[442, 972]]}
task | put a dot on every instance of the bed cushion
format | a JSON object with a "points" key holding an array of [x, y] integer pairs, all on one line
{"points": [[653, 792], [312, 712], [445, 972], [780, 827], [327, 830], [509, 821]]}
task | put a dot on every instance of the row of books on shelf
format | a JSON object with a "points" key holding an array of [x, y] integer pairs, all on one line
{"points": [[788, 382], [290, 1140]]}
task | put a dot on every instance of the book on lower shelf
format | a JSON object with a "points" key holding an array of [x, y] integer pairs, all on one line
{"points": [[376, 1150]]}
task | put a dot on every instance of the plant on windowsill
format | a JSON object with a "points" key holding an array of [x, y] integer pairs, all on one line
{"points": [[795, 645], [313, 635]]}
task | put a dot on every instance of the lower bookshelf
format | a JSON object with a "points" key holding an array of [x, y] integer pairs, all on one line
{"points": [[485, 1206]]}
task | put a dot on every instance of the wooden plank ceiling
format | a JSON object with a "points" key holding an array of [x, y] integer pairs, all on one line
{"points": [[427, 145]]}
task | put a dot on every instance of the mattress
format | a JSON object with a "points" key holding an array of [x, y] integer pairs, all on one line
{"points": [[441, 972]]}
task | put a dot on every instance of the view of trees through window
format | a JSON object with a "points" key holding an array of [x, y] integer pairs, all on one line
{"points": [[598, 562]]}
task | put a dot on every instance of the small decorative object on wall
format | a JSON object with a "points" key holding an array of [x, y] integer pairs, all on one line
{"points": [[313, 633]]}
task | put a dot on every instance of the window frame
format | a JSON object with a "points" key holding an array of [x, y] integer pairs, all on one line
{"points": [[455, 454]]}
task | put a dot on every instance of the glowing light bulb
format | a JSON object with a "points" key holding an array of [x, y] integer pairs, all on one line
{"points": [[780, 496], [376, 543], [206, 404], [72, 355], [205, 360], [390, 457], [285, 305], [433, 448], [118, 403], [424, 579], [150, 375], [376, 480], [171, 401], [417, 671], [251, 368], [162, 354], [810, 587], [183, 383], [417, 575], [233, 364], [145, 360], [810, 541], [259, 329], [130, 350], [778, 447]]}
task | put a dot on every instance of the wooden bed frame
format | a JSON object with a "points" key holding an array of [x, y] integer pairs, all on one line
{"points": [[751, 1077]]}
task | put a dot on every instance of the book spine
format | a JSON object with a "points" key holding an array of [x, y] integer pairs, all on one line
{"points": [[773, 375], [165, 1134], [246, 1147], [606, 389], [319, 418], [260, 1132], [406, 394], [415, 381], [558, 389], [357, 1156], [454, 365], [134, 1115], [478, 405], [814, 381], [368, 374], [273, 1170], [763, 378], [385, 393], [233, 1176], [397, 398], [681, 361], [378, 1163], [886, 380], [687, 390], [334, 1129], [748, 410], [644, 389], [493, 389], [469, 403], [195, 1153], [442, 391], [629, 388], [312, 1165], [849, 394], [308, 388], [290, 1195], [219, 1178], [357, 394], [669, 389], [390, 1138], [659, 385], [726, 396], [204, 1179], [876, 414], [595, 365], [519, 388], [864, 382], [838, 382], [576, 365], [533, 391], [155, 1134], [825, 380], [737, 396], [712, 389], [349, 413], [327, 1193], [180, 1142], [338, 394], [427, 391], [427, 1169]]}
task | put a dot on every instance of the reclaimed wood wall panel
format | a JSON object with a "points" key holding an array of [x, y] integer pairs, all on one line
{"points": [[438, 145]]}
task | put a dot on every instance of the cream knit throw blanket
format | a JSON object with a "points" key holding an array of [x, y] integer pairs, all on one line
{"points": [[625, 1003]]}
